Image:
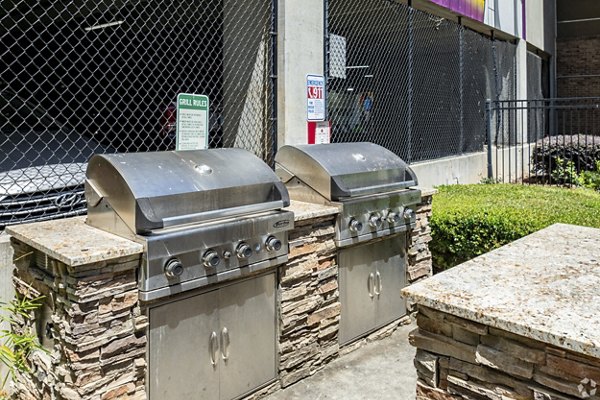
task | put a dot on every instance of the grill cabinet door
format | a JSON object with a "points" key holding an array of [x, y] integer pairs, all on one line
{"points": [[356, 280], [247, 312], [180, 349], [390, 264]]}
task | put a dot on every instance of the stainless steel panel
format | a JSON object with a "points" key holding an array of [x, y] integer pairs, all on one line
{"points": [[391, 267], [343, 170], [364, 271], [180, 349], [359, 304], [190, 244], [247, 313], [153, 190], [383, 206]]}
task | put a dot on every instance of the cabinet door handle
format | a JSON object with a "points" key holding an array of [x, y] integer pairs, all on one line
{"points": [[225, 343], [378, 286], [370, 284], [213, 347]]}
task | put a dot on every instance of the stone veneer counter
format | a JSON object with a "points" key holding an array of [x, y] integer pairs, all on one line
{"points": [[303, 211], [73, 242], [545, 286], [520, 322]]}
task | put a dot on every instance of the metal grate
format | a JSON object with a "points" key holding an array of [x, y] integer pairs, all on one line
{"points": [[85, 77], [411, 82]]}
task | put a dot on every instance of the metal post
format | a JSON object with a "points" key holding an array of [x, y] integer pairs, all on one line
{"points": [[488, 117], [410, 82], [326, 55], [273, 97], [461, 55]]}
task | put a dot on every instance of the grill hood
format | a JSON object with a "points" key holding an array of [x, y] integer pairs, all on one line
{"points": [[149, 191], [343, 170]]}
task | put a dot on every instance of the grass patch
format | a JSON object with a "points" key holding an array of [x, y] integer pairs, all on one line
{"points": [[469, 220]]}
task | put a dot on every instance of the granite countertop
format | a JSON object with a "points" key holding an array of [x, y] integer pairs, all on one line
{"points": [[427, 191], [73, 242], [545, 286], [304, 211]]}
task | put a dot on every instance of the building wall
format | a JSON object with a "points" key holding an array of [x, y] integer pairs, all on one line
{"points": [[505, 15], [578, 44], [578, 65], [541, 24]]}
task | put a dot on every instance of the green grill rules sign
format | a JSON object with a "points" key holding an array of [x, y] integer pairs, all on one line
{"points": [[192, 122]]}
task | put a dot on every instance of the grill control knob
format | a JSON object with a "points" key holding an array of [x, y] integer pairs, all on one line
{"points": [[393, 218], [408, 214], [355, 225], [173, 268], [211, 259], [375, 221], [273, 244], [243, 250]]}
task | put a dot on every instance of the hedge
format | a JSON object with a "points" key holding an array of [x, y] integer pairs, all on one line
{"points": [[582, 150], [469, 220]]}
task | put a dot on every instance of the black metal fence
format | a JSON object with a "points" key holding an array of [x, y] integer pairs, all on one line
{"points": [[85, 77], [411, 82], [548, 141]]}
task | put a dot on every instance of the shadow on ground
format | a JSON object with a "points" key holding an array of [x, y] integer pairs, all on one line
{"points": [[381, 370]]}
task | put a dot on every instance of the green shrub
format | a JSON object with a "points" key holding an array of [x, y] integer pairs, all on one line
{"points": [[566, 174], [582, 150], [17, 346], [591, 179], [469, 220]]}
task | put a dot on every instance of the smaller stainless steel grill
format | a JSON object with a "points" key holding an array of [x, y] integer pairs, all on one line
{"points": [[370, 182], [373, 186], [203, 216]]}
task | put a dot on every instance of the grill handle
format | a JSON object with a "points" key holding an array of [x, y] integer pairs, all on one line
{"points": [[213, 348], [377, 287], [371, 284], [225, 343], [339, 190], [223, 213]]}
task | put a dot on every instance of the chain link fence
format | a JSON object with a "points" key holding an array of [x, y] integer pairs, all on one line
{"points": [[411, 82], [85, 77]]}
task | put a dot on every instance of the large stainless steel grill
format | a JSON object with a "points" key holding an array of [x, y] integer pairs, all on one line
{"points": [[204, 216], [375, 190]]}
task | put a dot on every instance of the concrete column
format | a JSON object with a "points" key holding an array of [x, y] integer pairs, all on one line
{"points": [[300, 44], [521, 119], [7, 292]]}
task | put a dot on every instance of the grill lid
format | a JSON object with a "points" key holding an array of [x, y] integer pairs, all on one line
{"points": [[148, 191], [343, 170]]}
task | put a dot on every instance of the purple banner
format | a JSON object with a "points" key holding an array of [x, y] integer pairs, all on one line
{"points": [[469, 8]]}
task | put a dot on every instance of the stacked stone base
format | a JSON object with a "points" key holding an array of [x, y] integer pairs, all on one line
{"points": [[460, 359], [309, 301], [94, 328], [419, 257]]}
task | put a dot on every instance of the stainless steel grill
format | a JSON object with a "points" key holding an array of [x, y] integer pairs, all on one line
{"points": [[370, 182], [203, 216], [374, 188]]}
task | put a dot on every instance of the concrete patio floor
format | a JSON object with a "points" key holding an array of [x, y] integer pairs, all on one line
{"points": [[380, 370]]}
